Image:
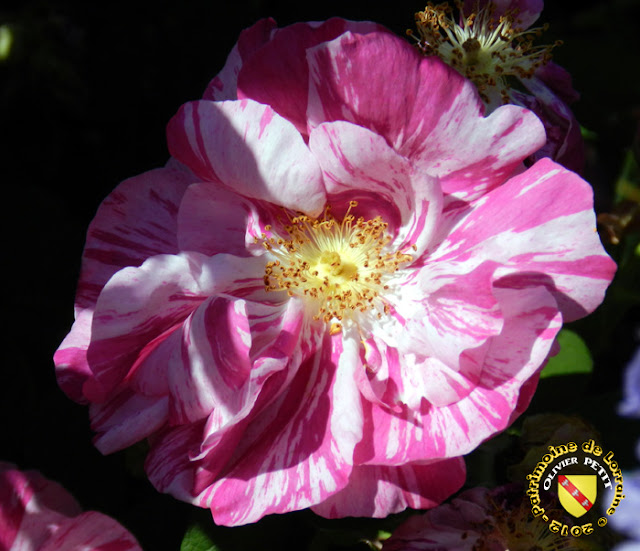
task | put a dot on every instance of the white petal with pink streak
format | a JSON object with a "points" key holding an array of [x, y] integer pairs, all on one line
{"points": [[430, 115], [136, 221], [299, 450], [91, 531], [249, 148], [555, 242], [376, 491], [224, 364], [531, 323], [224, 84], [357, 161], [201, 383], [126, 419], [138, 304], [214, 360]]}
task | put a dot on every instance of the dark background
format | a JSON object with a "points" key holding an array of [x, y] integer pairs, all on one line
{"points": [[85, 95]]}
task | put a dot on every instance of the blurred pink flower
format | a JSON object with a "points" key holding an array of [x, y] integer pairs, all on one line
{"points": [[37, 514], [492, 44], [484, 520], [343, 281]]}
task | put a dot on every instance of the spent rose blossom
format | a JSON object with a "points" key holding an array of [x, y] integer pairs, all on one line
{"points": [[492, 43], [480, 519], [342, 281], [37, 514]]}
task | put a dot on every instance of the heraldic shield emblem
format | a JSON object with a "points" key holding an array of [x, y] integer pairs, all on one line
{"points": [[577, 492]]}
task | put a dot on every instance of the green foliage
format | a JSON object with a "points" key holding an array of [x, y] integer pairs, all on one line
{"points": [[196, 539], [574, 357], [588, 135]]}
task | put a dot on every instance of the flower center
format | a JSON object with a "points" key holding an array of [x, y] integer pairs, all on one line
{"points": [[483, 48], [513, 528], [342, 267]]}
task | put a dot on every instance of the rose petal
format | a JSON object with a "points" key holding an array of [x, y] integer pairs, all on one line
{"points": [[137, 220], [298, 452], [138, 304], [30, 507], [126, 419], [379, 491], [279, 75], [91, 531], [526, 11], [214, 220], [556, 242], [224, 84], [249, 148], [355, 160], [531, 323], [431, 114]]}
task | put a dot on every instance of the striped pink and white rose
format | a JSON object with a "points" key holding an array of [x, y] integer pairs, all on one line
{"points": [[494, 43], [342, 281], [37, 514]]}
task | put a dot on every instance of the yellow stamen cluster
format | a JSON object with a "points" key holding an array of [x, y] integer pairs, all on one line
{"points": [[342, 267], [485, 49]]}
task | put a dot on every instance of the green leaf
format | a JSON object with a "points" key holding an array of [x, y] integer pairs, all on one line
{"points": [[6, 41], [587, 134], [196, 539], [574, 357]]}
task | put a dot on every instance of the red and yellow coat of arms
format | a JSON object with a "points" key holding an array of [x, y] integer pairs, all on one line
{"points": [[577, 492]]}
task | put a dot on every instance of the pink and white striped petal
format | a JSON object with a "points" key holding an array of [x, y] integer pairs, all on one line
{"points": [[454, 313], [72, 368], [250, 149], [279, 75], [298, 451], [214, 363], [137, 220], [201, 382], [222, 369], [213, 220], [282, 340], [138, 305], [168, 464], [357, 161], [30, 508], [225, 84], [431, 114], [37, 514], [555, 243], [127, 418], [376, 491], [513, 357], [91, 531]]}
